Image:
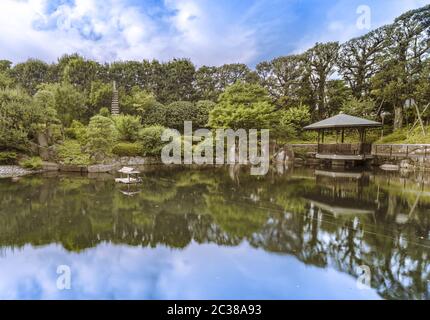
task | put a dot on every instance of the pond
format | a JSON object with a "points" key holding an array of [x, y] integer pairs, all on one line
{"points": [[216, 233]]}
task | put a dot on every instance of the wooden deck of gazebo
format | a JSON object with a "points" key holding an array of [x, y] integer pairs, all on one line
{"points": [[340, 152]]}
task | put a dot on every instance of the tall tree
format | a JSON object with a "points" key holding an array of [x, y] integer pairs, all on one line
{"points": [[408, 45], [81, 72], [210, 82], [30, 74], [357, 60], [244, 106], [284, 78], [320, 64]]}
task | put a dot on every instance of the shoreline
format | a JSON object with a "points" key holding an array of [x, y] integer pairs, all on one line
{"points": [[13, 171]]}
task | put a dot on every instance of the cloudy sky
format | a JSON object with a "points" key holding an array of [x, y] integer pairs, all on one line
{"points": [[210, 32]]}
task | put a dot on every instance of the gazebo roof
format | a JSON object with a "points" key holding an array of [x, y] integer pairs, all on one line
{"points": [[342, 121]]}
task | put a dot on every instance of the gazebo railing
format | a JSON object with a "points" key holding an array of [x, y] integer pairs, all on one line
{"points": [[345, 148]]}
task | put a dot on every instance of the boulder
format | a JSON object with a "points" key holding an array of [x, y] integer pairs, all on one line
{"points": [[99, 168], [405, 164], [48, 153], [390, 167], [42, 139], [73, 168], [50, 166]]}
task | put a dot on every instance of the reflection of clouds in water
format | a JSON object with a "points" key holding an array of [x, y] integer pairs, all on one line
{"points": [[197, 272]]}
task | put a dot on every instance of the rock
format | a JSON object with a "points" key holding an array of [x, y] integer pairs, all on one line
{"points": [[48, 153], [389, 167], [285, 154], [138, 161], [50, 166], [298, 162], [44, 153], [311, 155], [289, 155], [405, 164], [73, 168], [99, 168], [13, 171], [42, 139], [280, 157], [34, 148]]}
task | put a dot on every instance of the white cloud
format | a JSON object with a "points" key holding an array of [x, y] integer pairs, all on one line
{"points": [[113, 29]]}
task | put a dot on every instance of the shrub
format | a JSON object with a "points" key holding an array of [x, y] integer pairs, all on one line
{"points": [[76, 131], [34, 163], [201, 115], [7, 157], [104, 112], [127, 149], [70, 153], [395, 137], [151, 140], [155, 114], [128, 127], [100, 138]]}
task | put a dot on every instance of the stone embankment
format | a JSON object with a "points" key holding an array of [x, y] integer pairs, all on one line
{"points": [[13, 171], [386, 156]]}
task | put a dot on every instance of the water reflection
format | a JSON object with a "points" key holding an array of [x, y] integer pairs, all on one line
{"points": [[250, 232]]}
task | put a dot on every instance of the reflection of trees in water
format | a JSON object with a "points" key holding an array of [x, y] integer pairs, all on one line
{"points": [[276, 213]]}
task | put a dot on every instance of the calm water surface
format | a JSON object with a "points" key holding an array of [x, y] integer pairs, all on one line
{"points": [[216, 233]]}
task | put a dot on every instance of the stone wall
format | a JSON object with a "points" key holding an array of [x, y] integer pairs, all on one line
{"points": [[405, 156]]}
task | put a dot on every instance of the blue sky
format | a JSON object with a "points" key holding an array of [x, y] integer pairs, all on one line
{"points": [[210, 32]]}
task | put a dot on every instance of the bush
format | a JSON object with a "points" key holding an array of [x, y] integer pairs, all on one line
{"points": [[128, 127], [151, 140], [156, 114], [70, 153], [7, 157], [398, 136], [104, 112], [34, 163], [127, 149], [100, 138], [76, 131]]}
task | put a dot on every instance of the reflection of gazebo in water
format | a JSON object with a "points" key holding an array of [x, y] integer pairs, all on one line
{"points": [[340, 152], [341, 193]]}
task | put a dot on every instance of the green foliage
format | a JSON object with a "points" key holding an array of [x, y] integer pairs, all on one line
{"points": [[67, 100], [293, 120], [364, 108], [104, 112], [137, 102], [128, 127], [100, 96], [34, 163], [242, 106], [212, 81], [406, 136], [76, 131], [181, 111], [202, 110], [70, 153], [100, 138], [81, 72], [150, 138], [30, 74], [128, 149], [155, 114], [21, 118], [398, 136], [5, 80], [7, 157]]}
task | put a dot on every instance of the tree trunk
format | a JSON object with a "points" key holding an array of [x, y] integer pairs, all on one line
{"points": [[398, 117]]}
